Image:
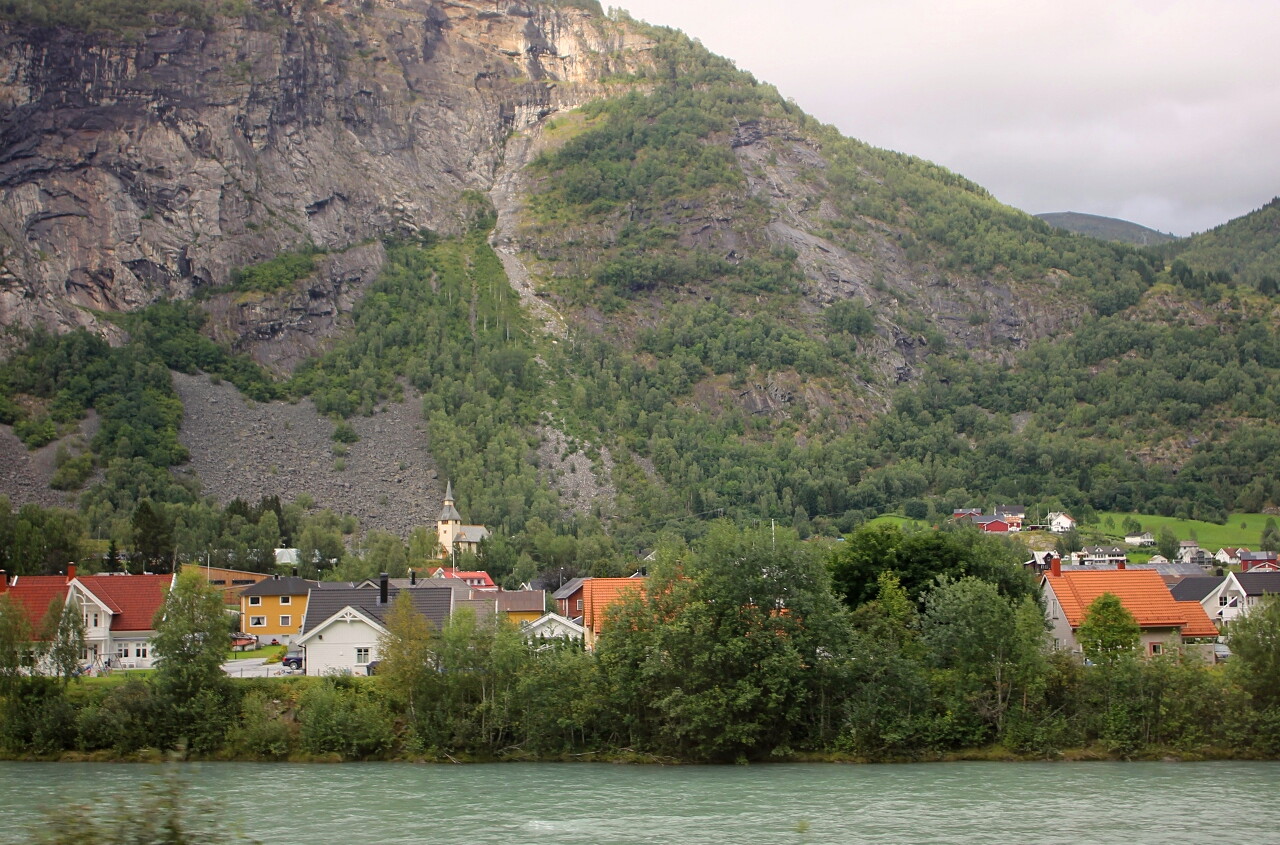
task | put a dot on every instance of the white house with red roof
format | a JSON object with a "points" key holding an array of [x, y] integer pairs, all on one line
{"points": [[118, 611], [475, 578]]}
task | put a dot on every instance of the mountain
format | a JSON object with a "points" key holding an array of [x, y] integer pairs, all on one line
{"points": [[1247, 248], [629, 286], [1105, 228]]}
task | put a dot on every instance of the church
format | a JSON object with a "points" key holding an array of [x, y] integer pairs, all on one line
{"points": [[452, 537]]}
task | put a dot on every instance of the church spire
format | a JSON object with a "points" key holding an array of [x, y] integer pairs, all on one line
{"points": [[449, 513]]}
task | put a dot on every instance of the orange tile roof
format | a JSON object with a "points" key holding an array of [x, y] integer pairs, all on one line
{"points": [[133, 599], [599, 593], [34, 592], [1142, 592]]}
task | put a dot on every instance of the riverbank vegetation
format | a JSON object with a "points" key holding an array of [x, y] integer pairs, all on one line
{"points": [[741, 647]]}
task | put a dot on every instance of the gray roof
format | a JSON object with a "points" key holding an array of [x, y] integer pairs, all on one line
{"points": [[1196, 587], [521, 600], [1258, 583], [569, 588], [287, 586], [470, 533], [433, 603]]}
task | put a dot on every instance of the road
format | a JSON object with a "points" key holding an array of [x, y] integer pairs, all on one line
{"points": [[253, 667]]}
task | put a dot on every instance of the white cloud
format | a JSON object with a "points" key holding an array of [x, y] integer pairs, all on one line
{"points": [[1166, 112]]}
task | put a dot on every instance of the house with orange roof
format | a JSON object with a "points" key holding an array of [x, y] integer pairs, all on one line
{"points": [[1165, 622], [229, 582], [118, 611], [598, 595]]}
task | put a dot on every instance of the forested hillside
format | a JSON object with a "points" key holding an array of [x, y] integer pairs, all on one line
{"points": [[762, 320]]}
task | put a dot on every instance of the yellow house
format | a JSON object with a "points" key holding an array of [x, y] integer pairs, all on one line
{"points": [[523, 607], [274, 609]]}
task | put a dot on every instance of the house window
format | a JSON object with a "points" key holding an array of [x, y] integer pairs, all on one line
{"points": [[1157, 648], [362, 655], [140, 650], [257, 621], [122, 650], [1222, 601], [286, 621], [286, 599], [254, 601], [579, 605]]}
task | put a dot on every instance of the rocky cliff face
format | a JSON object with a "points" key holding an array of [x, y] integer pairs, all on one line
{"points": [[136, 170]]}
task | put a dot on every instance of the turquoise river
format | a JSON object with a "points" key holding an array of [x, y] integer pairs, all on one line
{"points": [[960, 803]]}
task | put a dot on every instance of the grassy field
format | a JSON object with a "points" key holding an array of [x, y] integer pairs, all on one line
{"points": [[1241, 529]]}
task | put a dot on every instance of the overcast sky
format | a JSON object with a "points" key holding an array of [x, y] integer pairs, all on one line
{"points": [[1163, 112]]}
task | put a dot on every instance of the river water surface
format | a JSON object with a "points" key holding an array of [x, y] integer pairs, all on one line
{"points": [[955, 803]]}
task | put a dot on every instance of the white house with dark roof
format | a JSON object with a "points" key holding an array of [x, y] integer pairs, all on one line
{"points": [[1238, 593], [343, 624]]}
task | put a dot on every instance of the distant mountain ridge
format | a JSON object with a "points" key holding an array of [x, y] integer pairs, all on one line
{"points": [[1106, 228]]}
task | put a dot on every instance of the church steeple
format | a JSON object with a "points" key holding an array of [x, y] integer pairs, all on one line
{"points": [[449, 513]]}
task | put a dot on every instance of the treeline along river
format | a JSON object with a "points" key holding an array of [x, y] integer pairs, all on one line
{"points": [[954, 803]]}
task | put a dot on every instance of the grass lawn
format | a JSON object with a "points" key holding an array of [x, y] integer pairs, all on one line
{"points": [[1241, 529], [267, 652]]}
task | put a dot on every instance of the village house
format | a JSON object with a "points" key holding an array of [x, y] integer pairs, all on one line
{"points": [[568, 599], [551, 627], [452, 537], [1165, 622], [1110, 556], [1061, 523], [273, 609], [991, 524], [1258, 561], [228, 582], [343, 624], [118, 611], [1144, 539], [1229, 555], [598, 595], [477, 579], [1013, 515], [1237, 593]]}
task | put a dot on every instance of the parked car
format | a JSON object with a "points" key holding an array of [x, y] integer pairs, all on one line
{"points": [[293, 659]]}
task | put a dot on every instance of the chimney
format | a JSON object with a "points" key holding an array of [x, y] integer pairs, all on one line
{"points": [[413, 577], [275, 576], [1055, 566], [71, 572], [295, 572], [1120, 564], [382, 588], [4, 581]]}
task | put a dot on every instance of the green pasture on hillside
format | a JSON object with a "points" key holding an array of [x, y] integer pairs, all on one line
{"points": [[1240, 529]]}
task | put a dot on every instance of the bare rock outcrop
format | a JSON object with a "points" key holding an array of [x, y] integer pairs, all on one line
{"points": [[137, 169]]}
